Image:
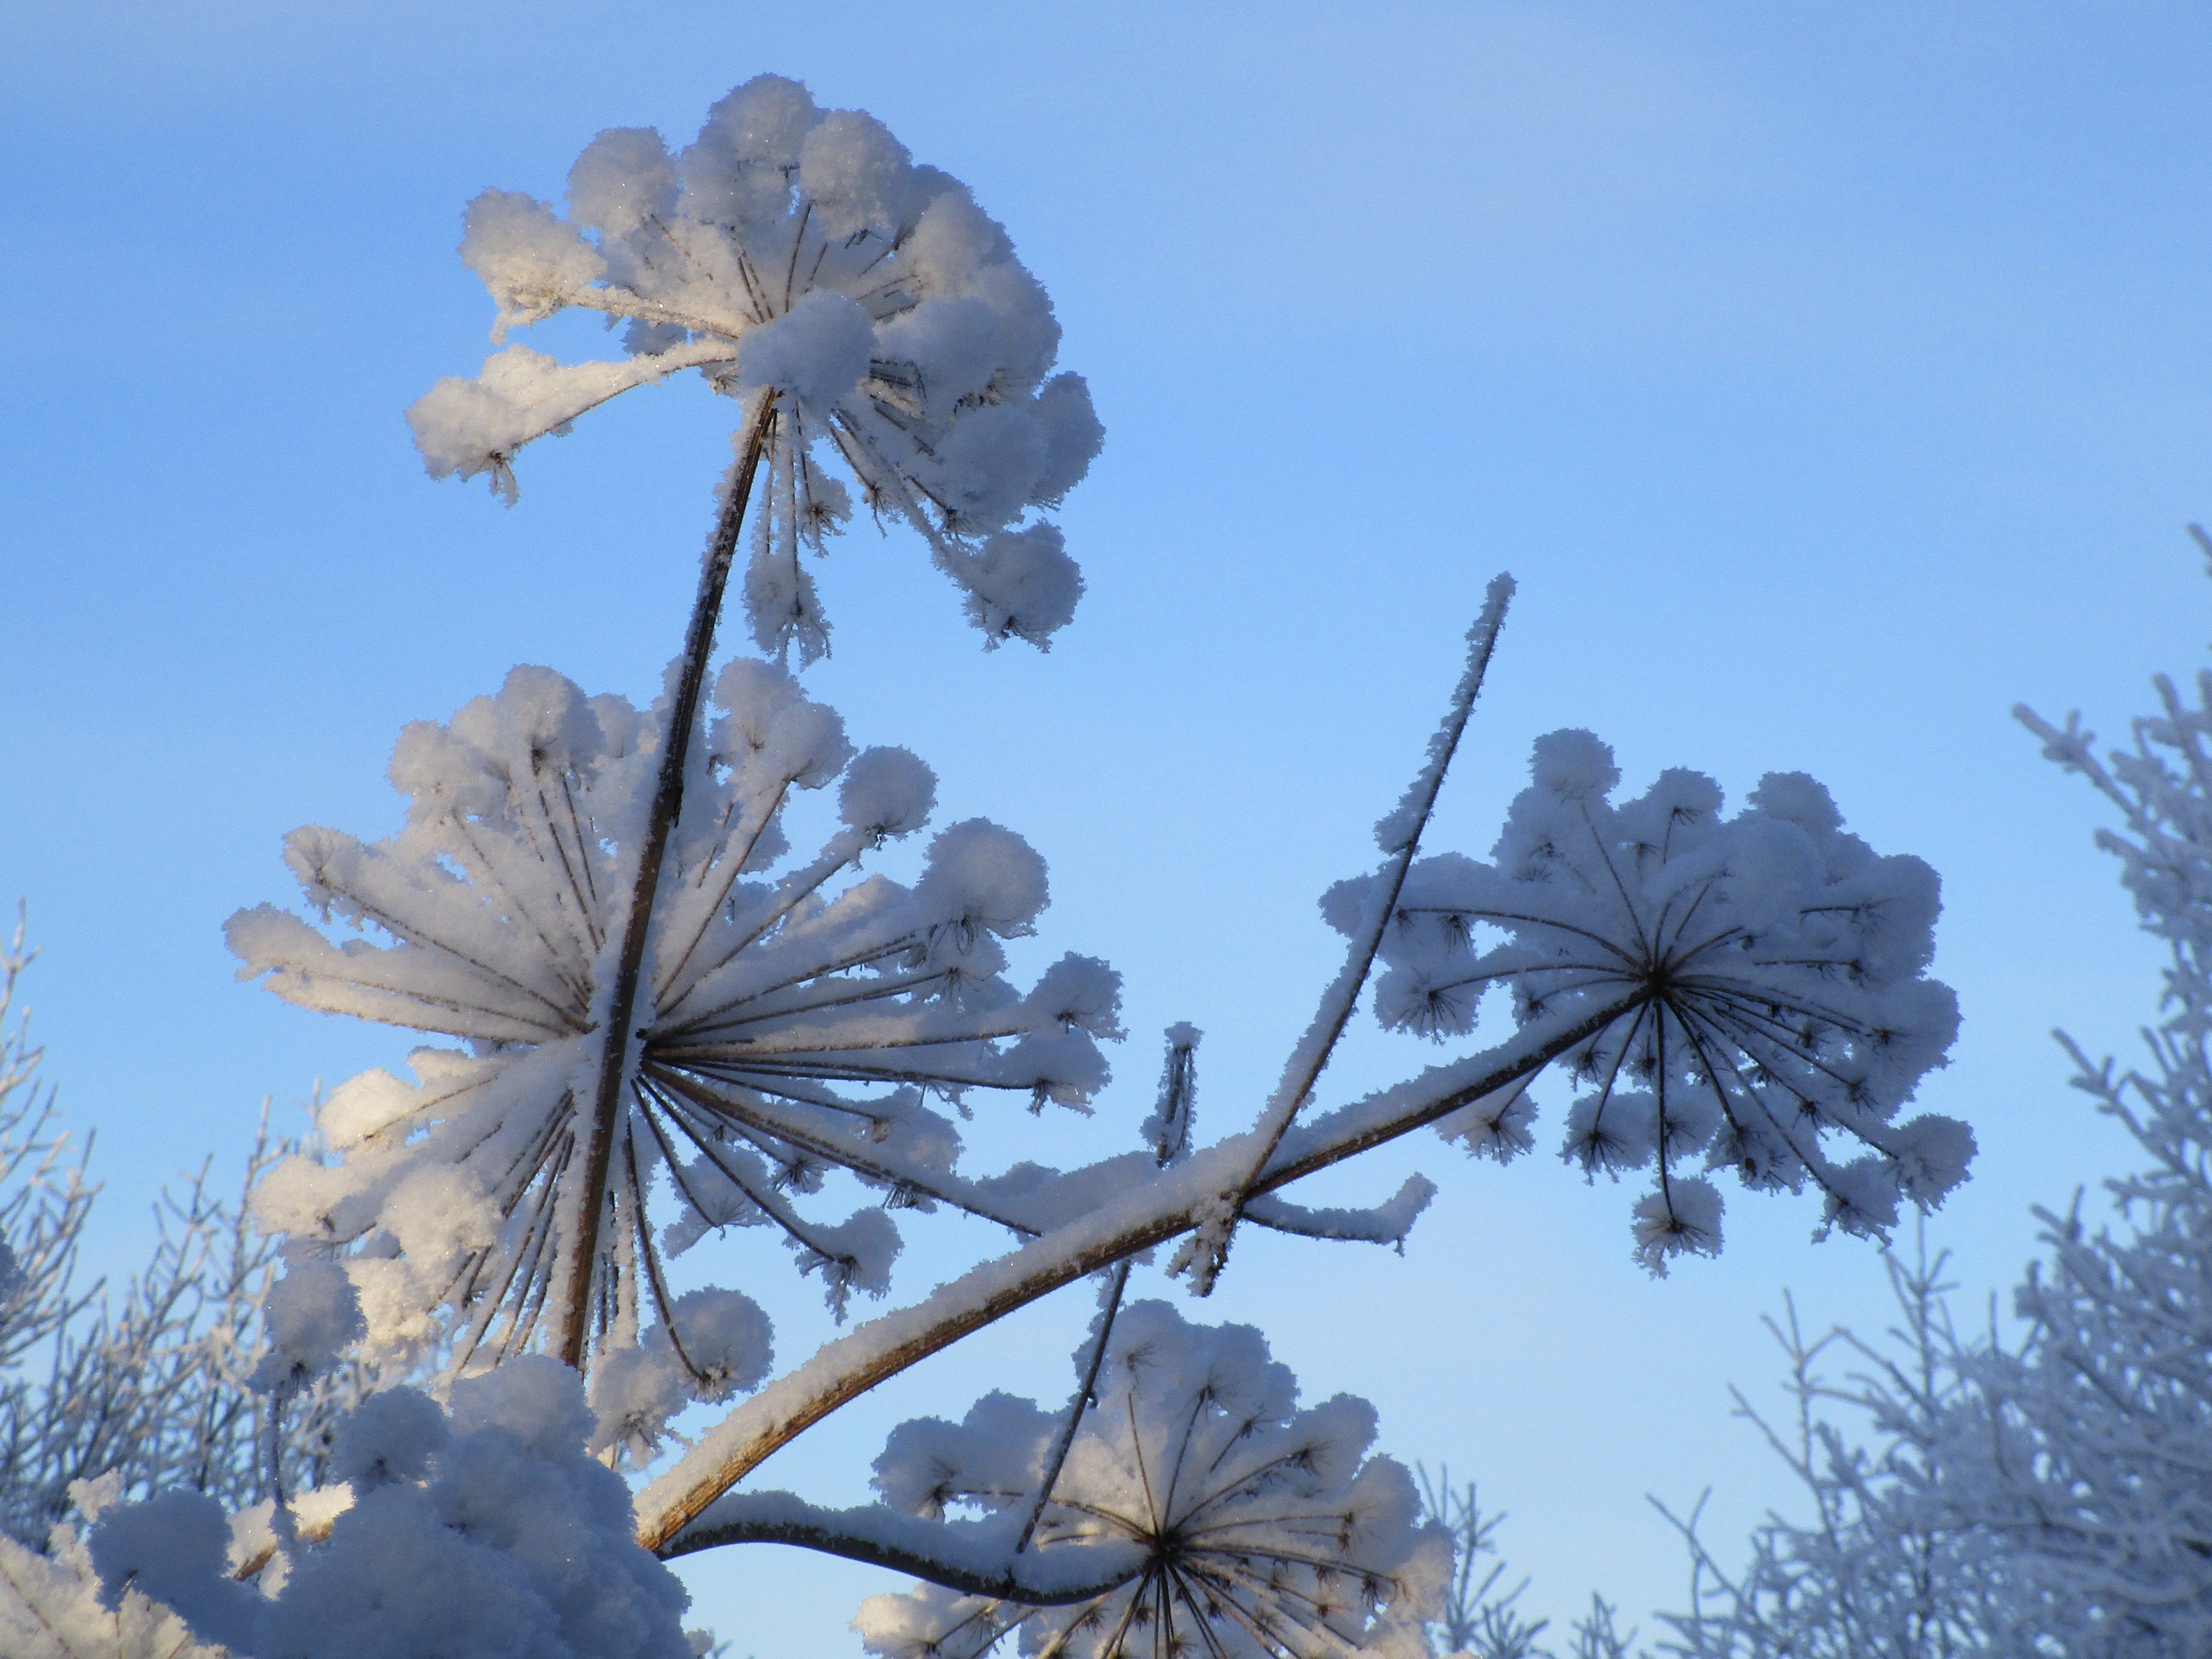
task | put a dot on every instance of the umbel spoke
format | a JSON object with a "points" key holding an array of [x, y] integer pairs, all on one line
{"points": [[1250, 1521]]}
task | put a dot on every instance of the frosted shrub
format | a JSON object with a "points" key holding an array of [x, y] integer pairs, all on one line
{"points": [[653, 1020]]}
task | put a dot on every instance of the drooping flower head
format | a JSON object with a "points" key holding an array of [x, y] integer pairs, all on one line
{"points": [[863, 307], [1759, 982], [792, 1018], [1265, 1531]]}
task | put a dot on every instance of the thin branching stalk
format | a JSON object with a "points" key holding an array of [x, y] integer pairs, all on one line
{"points": [[1204, 1255], [1173, 1204]]}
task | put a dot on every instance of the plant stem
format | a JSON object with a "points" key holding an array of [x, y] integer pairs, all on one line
{"points": [[667, 803], [1204, 1255], [847, 1368], [1084, 1390]]}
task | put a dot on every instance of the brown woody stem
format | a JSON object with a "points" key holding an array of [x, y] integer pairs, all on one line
{"points": [[667, 803]]}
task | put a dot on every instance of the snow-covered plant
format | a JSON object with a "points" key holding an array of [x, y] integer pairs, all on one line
{"points": [[146, 1385], [864, 313], [478, 1533], [2047, 1495], [1258, 1528], [1476, 1616], [1878, 1566], [791, 1015], [1754, 983], [52, 1607], [2101, 1426], [669, 1023]]}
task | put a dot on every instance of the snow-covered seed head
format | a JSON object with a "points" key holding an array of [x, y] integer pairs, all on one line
{"points": [[798, 257], [1757, 983], [1264, 1530], [792, 1015], [313, 1315]]}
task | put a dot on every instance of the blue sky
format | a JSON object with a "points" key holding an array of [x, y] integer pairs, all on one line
{"points": [[1831, 376]]}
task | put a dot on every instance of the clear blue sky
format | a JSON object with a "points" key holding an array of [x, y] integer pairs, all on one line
{"points": [[1830, 375]]}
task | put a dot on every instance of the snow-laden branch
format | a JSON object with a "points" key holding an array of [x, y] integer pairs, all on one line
{"points": [[1165, 1204], [976, 1558], [1387, 1222]]}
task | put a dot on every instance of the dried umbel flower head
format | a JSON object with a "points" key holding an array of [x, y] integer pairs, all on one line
{"points": [[1264, 1531], [793, 1015], [872, 320], [1765, 974]]}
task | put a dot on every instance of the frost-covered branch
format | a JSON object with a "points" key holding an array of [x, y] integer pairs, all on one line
{"points": [[1878, 1563], [974, 1558], [1204, 1254], [1165, 1205]]}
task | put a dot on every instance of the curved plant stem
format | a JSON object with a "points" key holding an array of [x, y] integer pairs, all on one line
{"points": [[667, 802]]}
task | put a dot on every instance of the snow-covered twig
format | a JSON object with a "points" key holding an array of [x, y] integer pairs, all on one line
{"points": [[1203, 1255]]}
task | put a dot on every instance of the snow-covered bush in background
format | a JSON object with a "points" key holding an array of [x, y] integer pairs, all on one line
{"points": [[1876, 1567], [669, 1025], [150, 1384], [866, 313], [2045, 1495], [2104, 1421]]}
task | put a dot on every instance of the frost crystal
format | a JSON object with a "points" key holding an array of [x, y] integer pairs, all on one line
{"points": [[866, 310], [1262, 1530], [788, 1024], [1752, 984]]}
